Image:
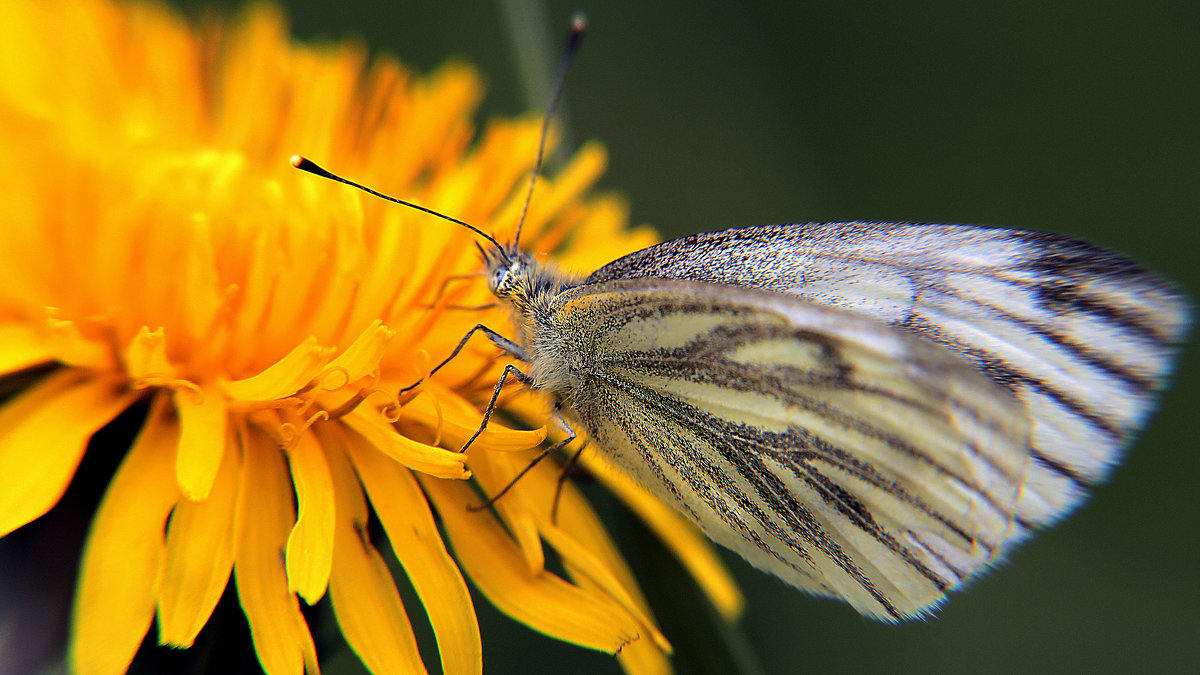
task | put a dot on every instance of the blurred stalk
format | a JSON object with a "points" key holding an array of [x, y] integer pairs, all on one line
{"points": [[537, 54]]}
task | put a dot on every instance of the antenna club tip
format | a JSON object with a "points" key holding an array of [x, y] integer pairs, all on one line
{"points": [[579, 22], [305, 164]]}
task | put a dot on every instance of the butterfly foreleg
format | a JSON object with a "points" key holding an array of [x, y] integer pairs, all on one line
{"points": [[497, 339]]}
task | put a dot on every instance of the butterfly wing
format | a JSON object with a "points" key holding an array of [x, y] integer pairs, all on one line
{"points": [[849, 458], [1081, 336]]}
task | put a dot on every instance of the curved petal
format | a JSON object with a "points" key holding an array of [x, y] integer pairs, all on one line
{"points": [[265, 517], [310, 545], [203, 417], [430, 459], [405, 515], [118, 580], [363, 355], [457, 421], [201, 539], [43, 434], [365, 600], [543, 601], [284, 377]]}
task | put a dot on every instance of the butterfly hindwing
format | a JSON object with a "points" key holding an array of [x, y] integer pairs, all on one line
{"points": [[847, 457]]}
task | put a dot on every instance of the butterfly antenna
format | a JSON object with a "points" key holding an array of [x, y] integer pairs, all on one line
{"points": [[305, 164], [578, 27]]}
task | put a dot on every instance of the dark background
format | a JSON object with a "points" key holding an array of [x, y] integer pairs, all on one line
{"points": [[1077, 117]]}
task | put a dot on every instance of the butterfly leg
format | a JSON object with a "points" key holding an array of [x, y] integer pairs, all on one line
{"points": [[521, 377], [571, 435], [497, 339], [562, 479]]}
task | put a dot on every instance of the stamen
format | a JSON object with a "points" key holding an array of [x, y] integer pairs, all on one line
{"points": [[290, 433], [325, 376], [351, 403], [194, 391]]}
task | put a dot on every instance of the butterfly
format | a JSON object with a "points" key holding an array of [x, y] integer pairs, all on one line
{"points": [[870, 411]]}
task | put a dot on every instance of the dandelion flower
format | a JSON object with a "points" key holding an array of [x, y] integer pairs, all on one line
{"points": [[160, 255]]}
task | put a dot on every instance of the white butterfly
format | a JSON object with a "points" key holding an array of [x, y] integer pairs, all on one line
{"points": [[870, 411]]}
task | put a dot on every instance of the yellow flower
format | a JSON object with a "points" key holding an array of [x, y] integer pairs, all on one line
{"points": [[160, 255]]}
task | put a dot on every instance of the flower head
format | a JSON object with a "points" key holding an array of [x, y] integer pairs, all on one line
{"points": [[159, 253]]}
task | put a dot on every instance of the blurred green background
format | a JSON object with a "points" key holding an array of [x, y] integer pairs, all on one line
{"points": [[1078, 117]]}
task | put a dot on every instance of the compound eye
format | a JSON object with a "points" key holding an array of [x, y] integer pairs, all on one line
{"points": [[500, 279]]}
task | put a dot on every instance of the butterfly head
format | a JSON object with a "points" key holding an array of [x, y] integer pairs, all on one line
{"points": [[505, 265], [519, 279]]}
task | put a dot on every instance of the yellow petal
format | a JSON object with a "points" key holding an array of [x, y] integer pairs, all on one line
{"points": [[118, 581], [201, 539], [429, 459], [543, 601], [363, 355], [579, 175], [365, 600], [259, 287], [685, 541], [579, 529], [578, 535], [197, 273], [203, 416], [458, 421], [284, 377], [524, 526], [580, 562], [608, 238], [43, 434], [265, 517], [494, 472], [21, 346], [591, 556], [147, 355], [410, 526], [310, 545], [596, 550]]}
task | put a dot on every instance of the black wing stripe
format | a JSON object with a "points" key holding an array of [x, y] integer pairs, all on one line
{"points": [[751, 379], [1010, 376], [853, 510], [771, 493], [1142, 384], [701, 477]]}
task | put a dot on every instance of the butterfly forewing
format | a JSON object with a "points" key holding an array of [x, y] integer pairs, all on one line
{"points": [[1082, 337], [847, 457]]}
